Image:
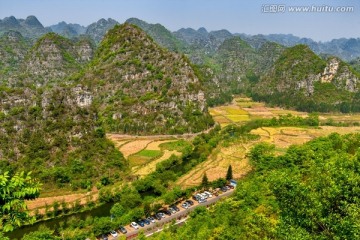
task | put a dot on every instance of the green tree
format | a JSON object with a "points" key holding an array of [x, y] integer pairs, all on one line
{"points": [[229, 174], [2, 237], [14, 190], [43, 233], [205, 181], [117, 210], [102, 225]]}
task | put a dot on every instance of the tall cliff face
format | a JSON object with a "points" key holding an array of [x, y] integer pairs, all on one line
{"points": [[144, 88]]}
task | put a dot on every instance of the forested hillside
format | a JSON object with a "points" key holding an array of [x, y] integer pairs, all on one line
{"points": [[57, 102], [141, 88]]}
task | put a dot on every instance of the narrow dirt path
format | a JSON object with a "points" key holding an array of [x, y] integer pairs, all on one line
{"points": [[151, 167]]}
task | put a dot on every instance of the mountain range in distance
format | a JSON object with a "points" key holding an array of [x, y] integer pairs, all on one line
{"points": [[183, 39], [61, 92]]}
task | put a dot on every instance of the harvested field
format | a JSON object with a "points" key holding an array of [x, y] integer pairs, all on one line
{"points": [[133, 147], [143, 154], [40, 203], [221, 120], [234, 110], [217, 164], [282, 137]]}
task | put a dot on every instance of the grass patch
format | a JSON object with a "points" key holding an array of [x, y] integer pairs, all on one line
{"points": [[144, 156], [149, 153], [238, 118]]}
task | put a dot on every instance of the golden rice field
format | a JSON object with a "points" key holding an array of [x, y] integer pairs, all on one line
{"points": [[244, 109], [217, 164], [236, 155], [143, 154]]}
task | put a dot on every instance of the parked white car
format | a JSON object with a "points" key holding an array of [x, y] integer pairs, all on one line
{"points": [[113, 233], [204, 195], [134, 225], [208, 193]]}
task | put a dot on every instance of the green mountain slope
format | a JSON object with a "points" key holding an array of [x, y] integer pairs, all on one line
{"points": [[97, 30], [160, 34], [53, 58], [236, 67], [143, 88], [13, 48], [29, 27], [52, 133], [301, 79]]}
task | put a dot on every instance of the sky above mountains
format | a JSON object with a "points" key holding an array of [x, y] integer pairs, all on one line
{"points": [[321, 20]]}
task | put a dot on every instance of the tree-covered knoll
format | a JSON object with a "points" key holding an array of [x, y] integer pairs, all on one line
{"points": [[63, 144]]}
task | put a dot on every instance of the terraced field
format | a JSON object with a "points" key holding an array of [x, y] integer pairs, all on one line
{"points": [[217, 164], [244, 109], [144, 153], [283, 137], [236, 155]]}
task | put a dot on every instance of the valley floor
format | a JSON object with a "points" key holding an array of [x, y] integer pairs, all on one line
{"points": [[143, 153]]}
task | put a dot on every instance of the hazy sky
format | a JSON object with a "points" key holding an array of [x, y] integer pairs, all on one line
{"points": [[240, 16]]}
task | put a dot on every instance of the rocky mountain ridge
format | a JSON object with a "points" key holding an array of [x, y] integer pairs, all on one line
{"points": [[136, 80], [301, 79], [29, 27], [195, 43], [68, 30]]}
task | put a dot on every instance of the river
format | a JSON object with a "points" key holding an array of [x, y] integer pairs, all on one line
{"points": [[101, 211]]}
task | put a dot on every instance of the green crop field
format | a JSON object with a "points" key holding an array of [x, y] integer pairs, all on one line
{"points": [[144, 156]]}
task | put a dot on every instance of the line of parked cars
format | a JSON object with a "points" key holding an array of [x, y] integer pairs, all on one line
{"points": [[226, 188], [172, 209], [113, 233], [201, 197]]}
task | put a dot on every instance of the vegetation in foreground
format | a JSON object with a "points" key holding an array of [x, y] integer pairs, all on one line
{"points": [[311, 192]]}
